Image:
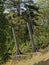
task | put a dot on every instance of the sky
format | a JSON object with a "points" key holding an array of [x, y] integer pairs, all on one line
{"points": [[7, 11], [35, 1]]}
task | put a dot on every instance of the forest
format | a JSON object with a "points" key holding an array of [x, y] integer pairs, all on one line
{"points": [[24, 32]]}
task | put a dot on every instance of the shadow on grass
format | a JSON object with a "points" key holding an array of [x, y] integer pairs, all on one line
{"points": [[43, 63]]}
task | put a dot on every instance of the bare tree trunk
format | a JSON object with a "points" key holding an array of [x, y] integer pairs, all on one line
{"points": [[16, 44], [14, 36], [31, 36], [30, 27], [48, 47]]}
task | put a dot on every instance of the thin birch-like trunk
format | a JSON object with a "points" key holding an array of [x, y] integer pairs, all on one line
{"points": [[16, 44], [31, 36]]}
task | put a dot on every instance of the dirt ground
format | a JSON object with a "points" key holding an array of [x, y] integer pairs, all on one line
{"points": [[35, 59]]}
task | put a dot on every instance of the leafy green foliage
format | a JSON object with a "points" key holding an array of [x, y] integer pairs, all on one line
{"points": [[4, 36], [40, 32]]}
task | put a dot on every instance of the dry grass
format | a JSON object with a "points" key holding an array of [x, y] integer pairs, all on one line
{"points": [[34, 59]]}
